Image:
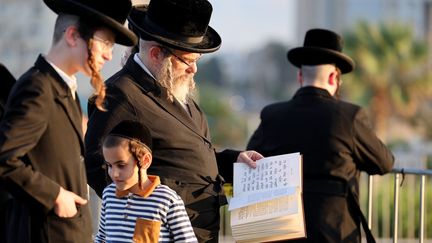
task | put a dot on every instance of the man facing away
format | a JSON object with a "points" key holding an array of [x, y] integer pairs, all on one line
{"points": [[333, 136], [155, 87], [41, 144]]}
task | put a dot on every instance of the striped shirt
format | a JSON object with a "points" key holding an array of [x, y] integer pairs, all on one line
{"points": [[119, 215]]}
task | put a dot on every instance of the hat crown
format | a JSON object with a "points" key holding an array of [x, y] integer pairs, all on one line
{"points": [[133, 130], [321, 38], [179, 24], [117, 10], [110, 14], [187, 18], [321, 47]]}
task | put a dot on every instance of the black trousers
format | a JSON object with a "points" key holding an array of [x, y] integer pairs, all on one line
{"points": [[14, 217]]}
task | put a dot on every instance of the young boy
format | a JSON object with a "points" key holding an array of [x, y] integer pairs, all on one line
{"points": [[136, 206]]}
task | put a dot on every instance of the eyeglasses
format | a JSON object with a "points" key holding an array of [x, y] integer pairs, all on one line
{"points": [[107, 45], [188, 63]]}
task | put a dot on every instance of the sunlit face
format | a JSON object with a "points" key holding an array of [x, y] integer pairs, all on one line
{"points": [[177, 73], [101, 47], [184, 65], [122, 166]]}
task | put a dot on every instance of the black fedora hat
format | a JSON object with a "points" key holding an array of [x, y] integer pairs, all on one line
{"points": [[321, 47], [111, 14], [133, 130], [179, 24]]}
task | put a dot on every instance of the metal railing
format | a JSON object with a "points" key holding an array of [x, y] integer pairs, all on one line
{"points": [[399, 173]]}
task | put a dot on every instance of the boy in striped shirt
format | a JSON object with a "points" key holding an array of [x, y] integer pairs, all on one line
{"points": [[136, 207]]}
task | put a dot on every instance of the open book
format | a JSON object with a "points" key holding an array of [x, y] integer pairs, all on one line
{"points": [[267, 204]]}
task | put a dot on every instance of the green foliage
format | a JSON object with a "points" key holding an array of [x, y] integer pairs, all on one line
{"points": [[228, 129], [211, 71], [409, 206], [391, 75], [263, 76], [429, 162]]}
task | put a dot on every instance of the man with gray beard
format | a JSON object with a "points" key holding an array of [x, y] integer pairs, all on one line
{"points": [[155, 87]]}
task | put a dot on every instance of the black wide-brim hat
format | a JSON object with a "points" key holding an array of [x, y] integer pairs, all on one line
{"points": [[179, 24], [321, 47], [110, 14]]}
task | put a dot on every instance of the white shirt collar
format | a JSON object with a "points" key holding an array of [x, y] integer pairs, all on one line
{"points": [[69, 80], [138, 60]]}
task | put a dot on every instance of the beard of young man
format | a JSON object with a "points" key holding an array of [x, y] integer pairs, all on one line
{"points": [[180, 86]]}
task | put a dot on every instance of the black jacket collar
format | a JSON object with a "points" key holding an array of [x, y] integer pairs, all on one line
{"points": [[63, 96], [313, 91], [141, 77]]}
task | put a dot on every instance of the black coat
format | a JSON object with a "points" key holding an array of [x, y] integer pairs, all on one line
{"points": [[337, 144], [41, 149]]}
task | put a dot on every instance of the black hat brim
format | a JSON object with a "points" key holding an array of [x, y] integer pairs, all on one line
{"points": [[211, 41], [123, 36], [315, 56]]}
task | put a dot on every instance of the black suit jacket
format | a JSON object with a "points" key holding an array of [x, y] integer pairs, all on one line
{"points": [[41, 149], [337, 143]]}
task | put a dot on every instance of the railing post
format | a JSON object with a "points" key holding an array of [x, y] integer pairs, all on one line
{"points": [[396, 208], [422, 200], [370, 193]]}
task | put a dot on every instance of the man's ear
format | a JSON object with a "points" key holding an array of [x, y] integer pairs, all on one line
{"points": [[300, 77], [155, 52], [332, 79], [71, 35]]}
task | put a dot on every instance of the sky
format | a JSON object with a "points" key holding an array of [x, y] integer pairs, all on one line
{"points": [[247, 24]]}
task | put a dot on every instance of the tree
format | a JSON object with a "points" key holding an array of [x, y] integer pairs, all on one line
{"points": [[391, 75], [228, 126]]}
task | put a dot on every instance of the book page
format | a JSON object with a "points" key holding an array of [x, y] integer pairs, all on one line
{"points": [[249, 198], [274, 177]]}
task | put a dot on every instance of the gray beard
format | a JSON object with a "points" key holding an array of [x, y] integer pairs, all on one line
{"points": [[180, 87]]}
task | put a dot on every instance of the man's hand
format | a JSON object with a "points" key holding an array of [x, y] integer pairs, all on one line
{"points": [[65, 203], [249, 157]]}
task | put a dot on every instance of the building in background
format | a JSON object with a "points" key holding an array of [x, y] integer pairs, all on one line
{"points": [[25, 30], [341, 15]]}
